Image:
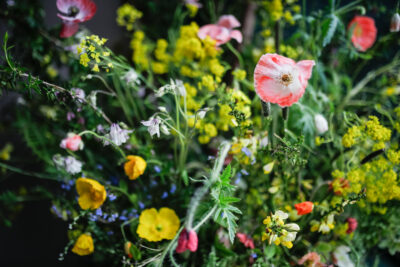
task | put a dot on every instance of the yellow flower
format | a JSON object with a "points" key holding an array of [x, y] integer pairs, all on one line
{"points": [[84, 59], [6, 151], [134, 167], [192, 10], [91, 193], [83, 245], [239, 74], [155, 226], [127, 15]]}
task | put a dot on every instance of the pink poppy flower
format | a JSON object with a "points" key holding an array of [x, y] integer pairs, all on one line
{"points": [[280, 80], [351, 225], [223, 31], [187, 241], [73, 12], [364, 32], [245, 240], [72, 142], [193, 3]]}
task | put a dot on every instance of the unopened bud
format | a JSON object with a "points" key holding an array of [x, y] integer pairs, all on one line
{"points": [[395, 23]]}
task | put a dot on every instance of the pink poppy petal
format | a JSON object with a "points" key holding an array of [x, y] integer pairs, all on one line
{"points": [[192, 241], [219, 34], [68, 29], [228, 21], [237, 35]]}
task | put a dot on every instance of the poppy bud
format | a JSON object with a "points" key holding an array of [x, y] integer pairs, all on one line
{"points": [[395, 23], [352, 225], [321, 124], [187, 241], [127, 248], [304, 207]]}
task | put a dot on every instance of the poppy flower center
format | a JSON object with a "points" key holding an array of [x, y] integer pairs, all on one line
{"points": [[159, 227], [73, 11], [286, 79]]}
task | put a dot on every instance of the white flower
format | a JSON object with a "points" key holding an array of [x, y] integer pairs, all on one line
{"points": [[321, 124], [78, 94], [153, 126], [162, 109], [175, 87], [268, 167], [395, 23], [72, 165], [292, 227], [280, 215], [164, 129], [290, 236], [131, 77], [264, 142], [117, 135], [202, 113], [342, 257]]}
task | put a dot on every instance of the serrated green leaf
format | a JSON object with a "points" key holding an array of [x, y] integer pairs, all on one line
{"points": [[226, 174], [227, 200], [328, 28]]}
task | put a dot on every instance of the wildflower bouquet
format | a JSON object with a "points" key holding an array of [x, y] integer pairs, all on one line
{"points": [[259, 133]]}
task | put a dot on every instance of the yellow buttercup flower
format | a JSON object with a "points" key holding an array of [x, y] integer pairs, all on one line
{"points": [[155, 226], [134, 167], [83, 245], [91, 193]]}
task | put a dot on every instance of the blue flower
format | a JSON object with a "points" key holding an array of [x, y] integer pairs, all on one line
{"points": [[173, 189], [164, 195], [157, 169], [111, 197], [141, 205]]}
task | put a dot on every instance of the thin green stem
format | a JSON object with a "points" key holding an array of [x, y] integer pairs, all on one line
{"points": [[236, 53]]}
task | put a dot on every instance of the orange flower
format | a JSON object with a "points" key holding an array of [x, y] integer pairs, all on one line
{"points": [[364, 32], [304, 207]]}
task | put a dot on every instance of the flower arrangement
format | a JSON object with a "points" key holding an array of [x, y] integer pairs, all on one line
{"points": [[260, 133]]}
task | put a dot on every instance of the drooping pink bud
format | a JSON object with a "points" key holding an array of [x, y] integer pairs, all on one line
{"points": [[72, 142], [245, 240], [352, 225], [187, 241]]}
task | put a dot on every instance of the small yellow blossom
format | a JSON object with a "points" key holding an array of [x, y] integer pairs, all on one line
{"points": [[156, 225], [6, 151], [127, 15], [91, 193], [83, 245], [134, 167]]}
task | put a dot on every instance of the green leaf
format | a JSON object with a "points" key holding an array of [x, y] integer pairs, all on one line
{"points": [[185, 178], [226, 174], [123, 185], [328, 29], [227, 200]]}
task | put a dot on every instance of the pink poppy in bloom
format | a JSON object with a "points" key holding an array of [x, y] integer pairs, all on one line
{"points": [[73, 12], [352, 225], [193, 3], [280, 80], [364, 32], [223, 31], [311, 259], [245, 240], [187, 241], [72, 142]]}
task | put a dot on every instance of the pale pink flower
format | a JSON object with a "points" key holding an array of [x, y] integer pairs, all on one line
{"points": [[311, 259], [193, 3], [72, 142], [223, 31], [73, 12], [245, 240], [280, 80]]}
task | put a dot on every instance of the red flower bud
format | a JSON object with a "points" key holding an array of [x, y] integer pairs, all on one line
{"points": [[187, 241], [245, 240], [352, 225], [304, 207]]}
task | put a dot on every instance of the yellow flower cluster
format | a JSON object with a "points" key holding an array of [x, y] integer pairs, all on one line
{"points": [[278, 232], [91, 193], [91, 51], [277, 12], [161, 65], [127, 15], [370, 128], [239, 74], [139, 56]]}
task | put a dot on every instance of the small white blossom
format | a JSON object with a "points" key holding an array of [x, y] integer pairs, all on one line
{"points": [[264, 142], [175, 87], [131, 77], [153, 126], [164, 129], [72, 165], [162, 109], [117, 135], [321, 124], [292, 227], [342, 256], [202, 113], [78, 94]]}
